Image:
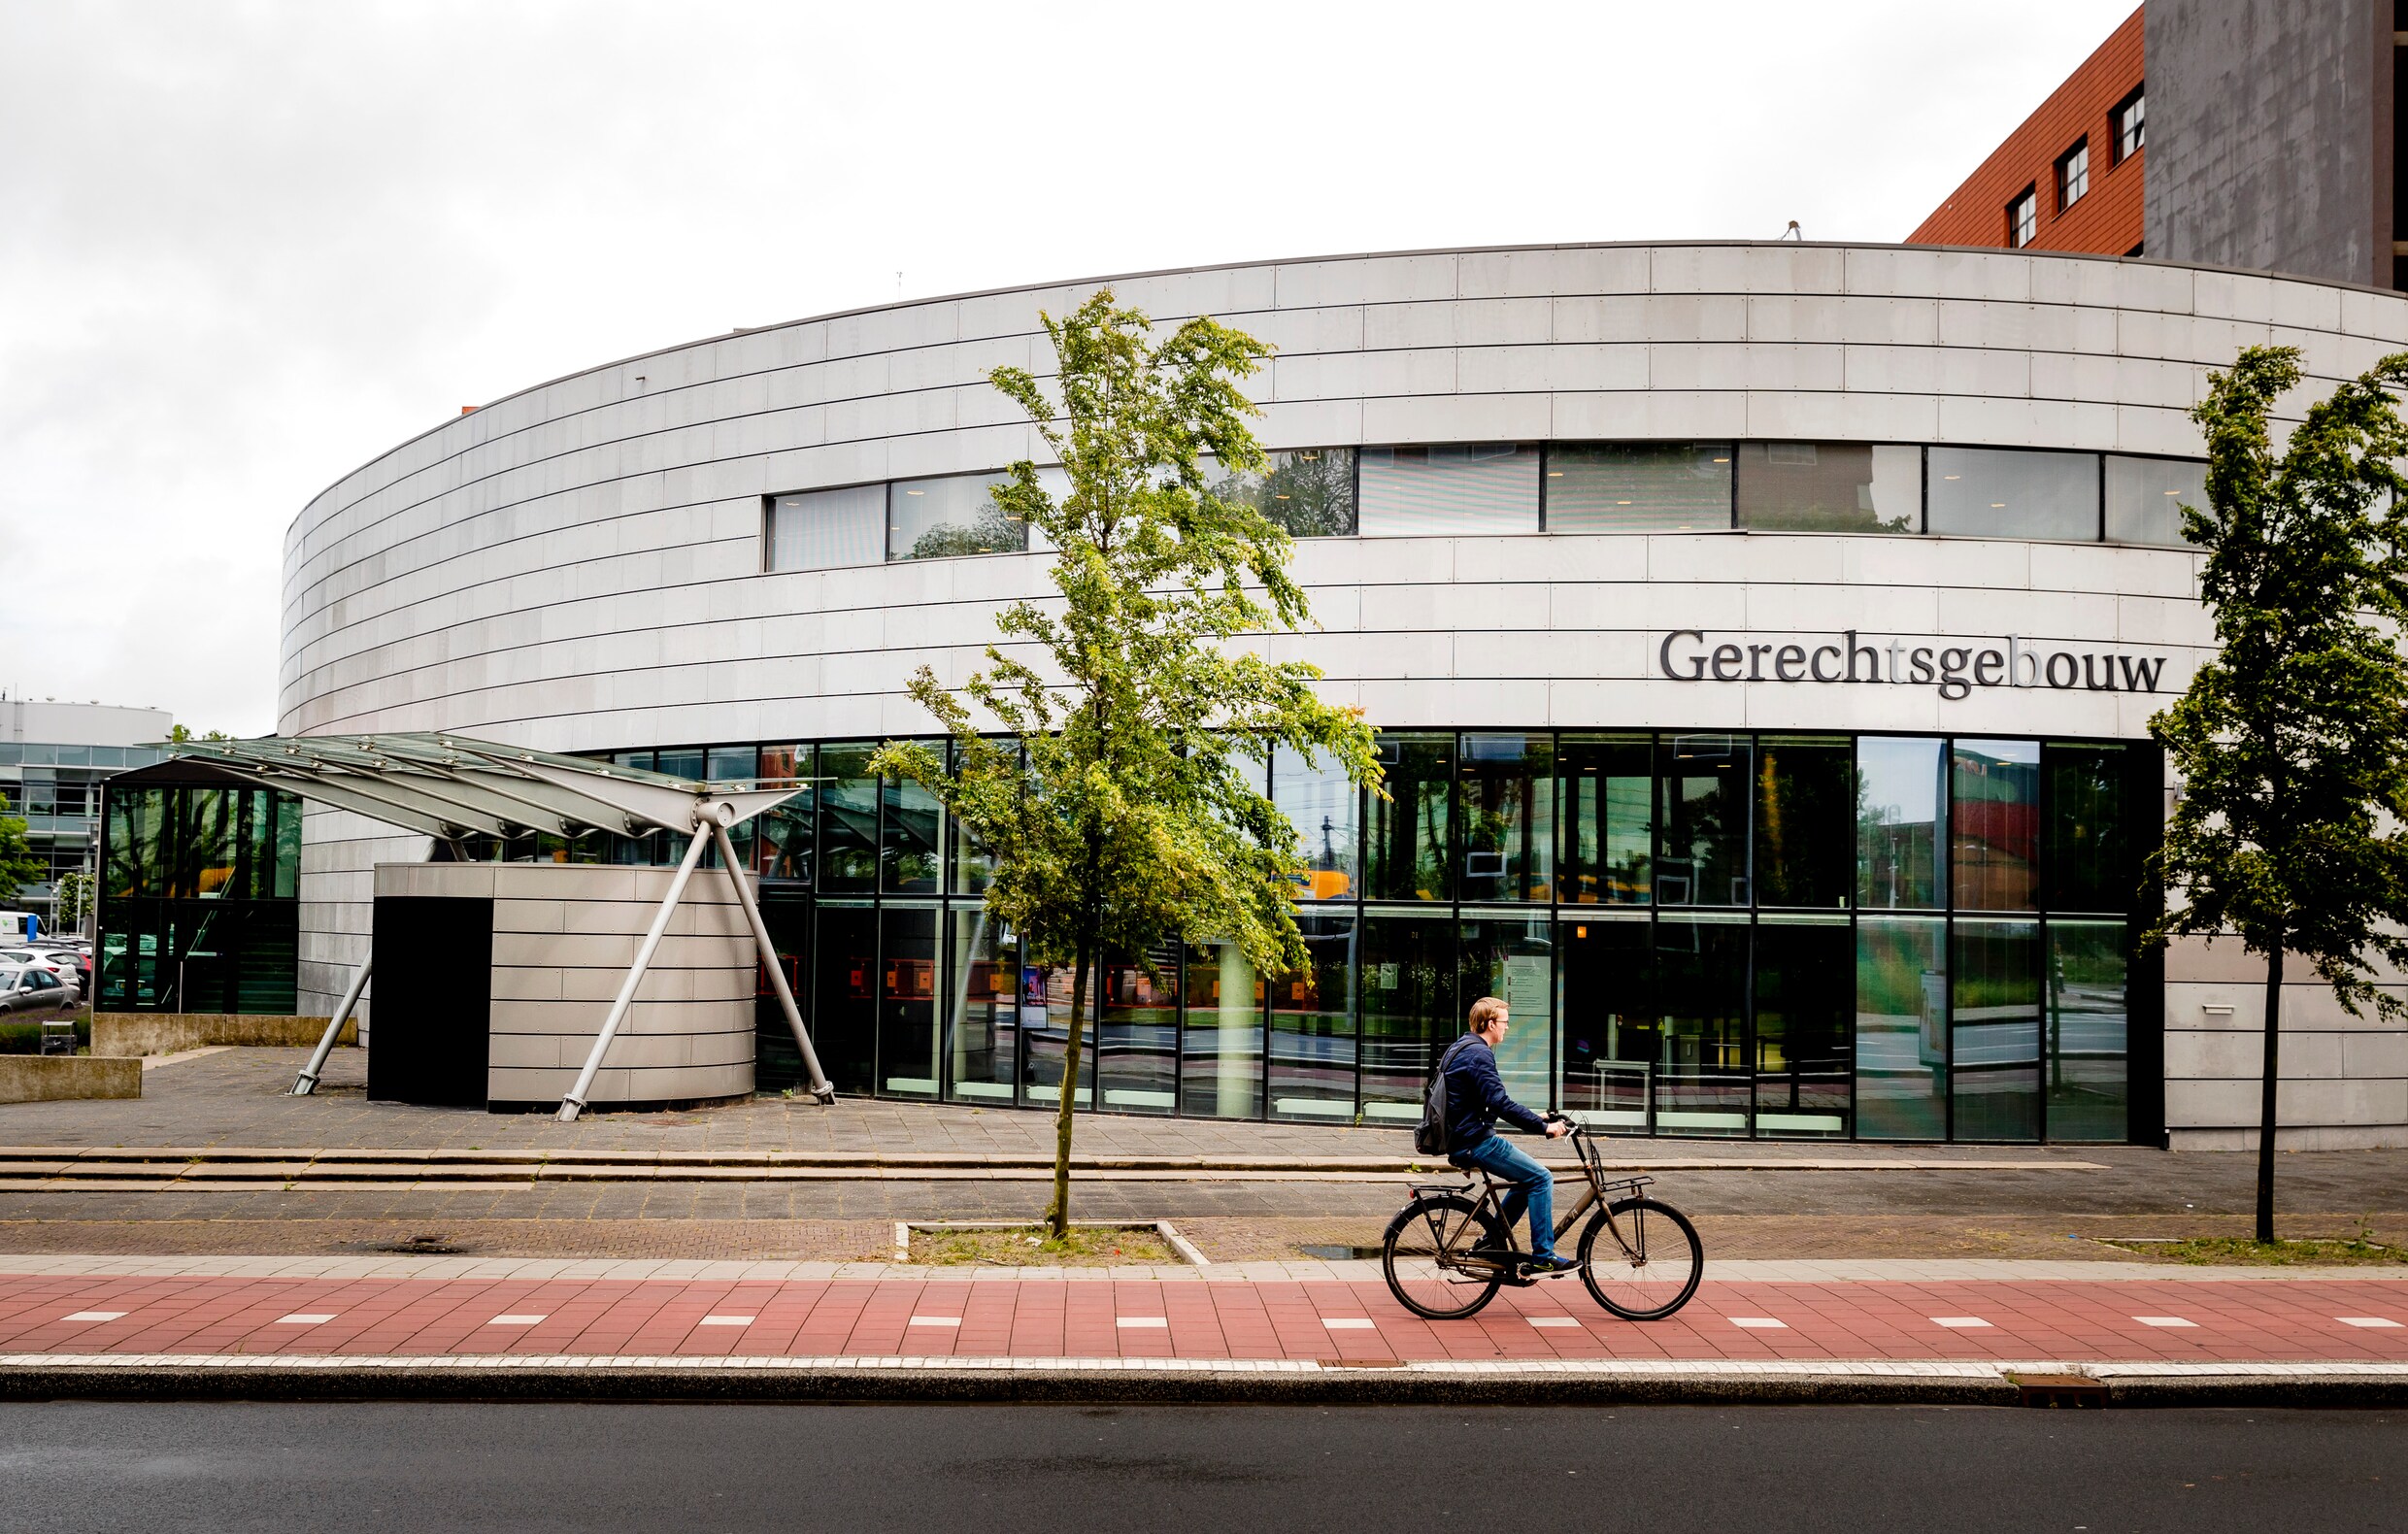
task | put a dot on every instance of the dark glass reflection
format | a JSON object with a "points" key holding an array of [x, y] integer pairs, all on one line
{"points": [[1611, 1040], [2089, 1087], [1994, 1030], [844, 1012], [1313, 1025], [1703, 1082], [2092, 864], [911, 851], [1805, 980], [1703, 786], [1309, 493], [1221, 1053], [1901, 796], [1409, 1009], [1805, 820], [777, 1061], [1513, 959], [1608, 790], [1507, 803], [782, 847], [1830, 488], [982, 983], [1137, 1041], [1322, 804], [1901, 1033], [907, 1001], [1406, 835], [847, 819], [1045, 1033], [1995, 825]]}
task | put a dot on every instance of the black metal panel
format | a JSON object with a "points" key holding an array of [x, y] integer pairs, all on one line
{"points": [[432, 1000]]}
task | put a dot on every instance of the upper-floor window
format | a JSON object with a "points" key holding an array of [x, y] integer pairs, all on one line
{"points": [[2023, 218], [2131, 122], [955, 515], [2073, 175], [821, 529]]}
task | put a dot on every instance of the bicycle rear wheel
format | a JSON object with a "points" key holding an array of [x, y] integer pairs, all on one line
{"points": [[1409, 1256], [1651, 1270]]}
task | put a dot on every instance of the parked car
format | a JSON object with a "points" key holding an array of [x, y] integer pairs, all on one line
{"points": [[78, 953], [28, 988], [60, 962]]}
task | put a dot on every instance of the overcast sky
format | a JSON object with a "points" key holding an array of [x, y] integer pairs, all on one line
{"points": [[246, 247]]}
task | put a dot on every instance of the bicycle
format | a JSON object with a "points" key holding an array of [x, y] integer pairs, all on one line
{"points": [[1446, 1254]]}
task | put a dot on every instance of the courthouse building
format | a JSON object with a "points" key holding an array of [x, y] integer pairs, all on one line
{"points": [[1762, 640]]}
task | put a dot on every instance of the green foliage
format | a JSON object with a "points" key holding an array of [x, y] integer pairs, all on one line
{"points": [[993, 533], [1304, 494], [18, 863], [1119, 814], [2292, 741], [70, 901]]}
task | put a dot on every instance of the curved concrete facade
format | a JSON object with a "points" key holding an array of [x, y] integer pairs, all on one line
{"points": [[578, 567]]}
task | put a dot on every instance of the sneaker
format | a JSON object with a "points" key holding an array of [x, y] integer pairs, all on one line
{"points": [[1555, 1262]]}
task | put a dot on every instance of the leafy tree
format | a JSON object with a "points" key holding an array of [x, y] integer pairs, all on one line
{"points": [[2292, 741], [1307, 494], [993, 533], [18, 863], [1122, 818], [181, 735], [70, 901]]}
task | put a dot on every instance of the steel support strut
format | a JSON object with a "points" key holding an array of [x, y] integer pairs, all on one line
{"points": [[575, 1102], [819, 1088], [307, 1082]]}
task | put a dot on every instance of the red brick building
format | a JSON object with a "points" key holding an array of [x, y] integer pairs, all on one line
{"points": [[2069, 179]]}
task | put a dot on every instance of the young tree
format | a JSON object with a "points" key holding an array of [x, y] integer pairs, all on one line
{"points": [[1119, 816], [2292, 740], [18, 863]]}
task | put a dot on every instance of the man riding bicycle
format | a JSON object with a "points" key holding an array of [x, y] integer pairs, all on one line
{"points": [[1476, 1099]]}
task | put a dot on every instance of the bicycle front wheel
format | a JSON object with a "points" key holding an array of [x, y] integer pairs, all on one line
{"points": [[1641, 1260], [1426, 1257]]}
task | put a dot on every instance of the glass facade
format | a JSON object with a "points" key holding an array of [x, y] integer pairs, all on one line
{"points": [[1473, 487], [1638, 487], [198, 897], [2011, 492], [1470, 490], [1777, 935]]}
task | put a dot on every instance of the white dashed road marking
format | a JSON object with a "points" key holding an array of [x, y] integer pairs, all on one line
{"points": [[100, 1316], [2163, 1320]]}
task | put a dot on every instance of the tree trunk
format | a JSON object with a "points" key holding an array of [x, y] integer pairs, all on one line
{"points": [[1057, 1216], [2266, 1093]]}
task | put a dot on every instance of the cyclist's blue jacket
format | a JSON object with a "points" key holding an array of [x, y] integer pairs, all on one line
{"points": [[1476, 1097]]}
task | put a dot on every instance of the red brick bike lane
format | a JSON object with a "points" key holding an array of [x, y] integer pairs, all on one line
{"points": [[2295, 1320]]}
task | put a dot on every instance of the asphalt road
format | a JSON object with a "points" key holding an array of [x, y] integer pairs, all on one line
{"points": [[1064, 1469]]}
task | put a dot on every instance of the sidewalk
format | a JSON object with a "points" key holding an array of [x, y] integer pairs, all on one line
{"points": [[407, 1327]]}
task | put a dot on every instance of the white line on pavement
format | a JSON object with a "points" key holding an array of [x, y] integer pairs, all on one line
{"points": [[513, 1320], [305, 1318], [1760, 1324], [2345, 1321], [727, 1320], [1960, 1323], [2163, 1320]]}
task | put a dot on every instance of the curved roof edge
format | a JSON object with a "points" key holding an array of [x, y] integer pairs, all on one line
{"points": [[1340, 256]]}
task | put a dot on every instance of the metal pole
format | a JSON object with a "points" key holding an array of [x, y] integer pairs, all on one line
{"points": [[819, 1088], [307, 1082], [575, 1102]]}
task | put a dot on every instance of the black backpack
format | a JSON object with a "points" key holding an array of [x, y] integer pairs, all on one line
{"points": [[1429, 1137]]}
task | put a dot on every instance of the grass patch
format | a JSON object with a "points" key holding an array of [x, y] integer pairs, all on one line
{"points": [[1029, 1247], [2359, 1251]]}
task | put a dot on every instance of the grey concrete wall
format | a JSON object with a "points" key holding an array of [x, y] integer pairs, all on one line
{"points": [[2269, 136], [564, 935]]}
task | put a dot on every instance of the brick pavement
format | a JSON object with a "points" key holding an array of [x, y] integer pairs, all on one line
{"points": [[416, 1307]]}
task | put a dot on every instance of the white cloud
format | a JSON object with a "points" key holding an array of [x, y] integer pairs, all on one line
{"points": [[245, 248]]}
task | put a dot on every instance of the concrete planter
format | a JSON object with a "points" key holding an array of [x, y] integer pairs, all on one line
{"points": [[137, 1033], [57, 1078]]}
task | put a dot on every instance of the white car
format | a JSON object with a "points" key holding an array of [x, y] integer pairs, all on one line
{"points": [[58, 961]]}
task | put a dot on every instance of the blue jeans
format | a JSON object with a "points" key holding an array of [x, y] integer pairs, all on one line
{"points": [[1532, 1186]]}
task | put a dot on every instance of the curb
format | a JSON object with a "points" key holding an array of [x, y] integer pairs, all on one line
{"points": [[1159, 1381]]}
